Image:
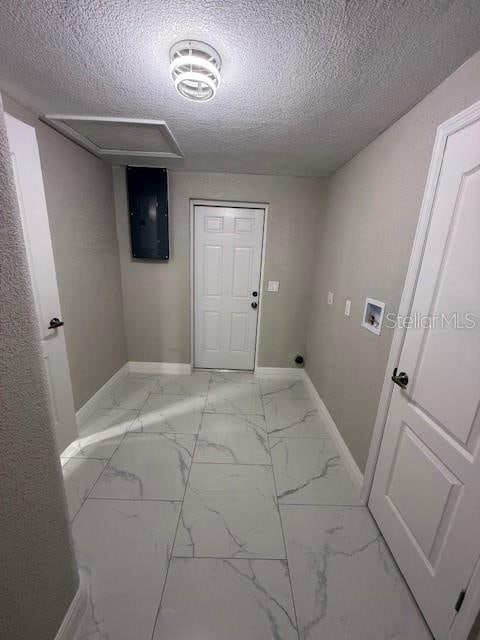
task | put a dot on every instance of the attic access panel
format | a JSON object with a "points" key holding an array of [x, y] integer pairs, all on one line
{"points": [[148, 212], [113, 137]]}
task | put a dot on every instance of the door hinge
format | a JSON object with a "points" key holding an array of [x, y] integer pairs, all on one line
{"points": [[460, 600]]}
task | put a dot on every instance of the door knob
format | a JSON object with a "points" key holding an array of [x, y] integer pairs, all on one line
{"points": [[55, 323], [401, 379], [254, 305]]}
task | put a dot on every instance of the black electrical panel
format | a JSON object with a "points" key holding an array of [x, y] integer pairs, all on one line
{"points": [[148, 210]]}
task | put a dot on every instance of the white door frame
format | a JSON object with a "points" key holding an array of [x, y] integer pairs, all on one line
{"points": [[195, 202], [466, 617], [32, 206]]}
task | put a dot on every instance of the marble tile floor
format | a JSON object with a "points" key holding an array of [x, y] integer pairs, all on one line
{"points": [[214, 506]]}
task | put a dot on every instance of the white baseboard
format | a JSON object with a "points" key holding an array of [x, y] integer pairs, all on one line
{"points": [[75, 613], [353, 469], [148, 368], [159, 367], [84, 413], [152, 368], [279, 372]]}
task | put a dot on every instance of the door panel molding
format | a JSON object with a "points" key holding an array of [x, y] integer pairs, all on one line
{"points": [[466, 617], [240, 204], [444, 130]]}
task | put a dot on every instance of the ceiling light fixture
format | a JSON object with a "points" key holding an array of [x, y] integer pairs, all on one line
{"points": [[195, 70]]}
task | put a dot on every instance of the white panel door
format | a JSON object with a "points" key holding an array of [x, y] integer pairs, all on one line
{"points": [[33, 210], [426, 490], [228, 253]]}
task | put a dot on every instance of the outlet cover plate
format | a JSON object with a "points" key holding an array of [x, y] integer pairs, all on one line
{"points": [[273, 285]]}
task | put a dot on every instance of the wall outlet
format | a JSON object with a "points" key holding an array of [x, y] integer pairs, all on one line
{"points": [[273, 285], [330, 298], [348, 304]]}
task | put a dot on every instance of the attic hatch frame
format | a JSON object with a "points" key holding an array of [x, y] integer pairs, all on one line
{"points": [[57, 121]]}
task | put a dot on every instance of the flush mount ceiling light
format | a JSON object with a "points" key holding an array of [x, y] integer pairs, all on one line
{"points": [[195, 69]]}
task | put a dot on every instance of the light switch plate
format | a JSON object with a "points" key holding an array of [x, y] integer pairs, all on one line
{"points": [[273, 285], [330, 298], [348, 304]]}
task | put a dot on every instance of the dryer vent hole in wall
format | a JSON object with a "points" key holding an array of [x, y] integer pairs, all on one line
{"points": [[299, 360]]}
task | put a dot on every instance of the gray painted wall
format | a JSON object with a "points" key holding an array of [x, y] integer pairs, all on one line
{"points": [[78, 189], [475, 631], [364, 243], [157, 296], [37, 566]]}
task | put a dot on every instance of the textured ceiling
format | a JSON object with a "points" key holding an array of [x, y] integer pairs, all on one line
{"points": [[305, 83]]}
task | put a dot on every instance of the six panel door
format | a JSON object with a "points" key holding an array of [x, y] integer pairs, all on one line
{"points": [[227, 258]]}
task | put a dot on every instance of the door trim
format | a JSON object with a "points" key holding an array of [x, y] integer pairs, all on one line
{"points": [[29, 187], [196, 202], [466, 617]]}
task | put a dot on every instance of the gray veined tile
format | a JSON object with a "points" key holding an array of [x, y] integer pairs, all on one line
{"points": [[232, 438], [220, 599], [345, 582], [293, 418], [234, 398], [230, 511], [236, 377], [194, 384], [148, 466], [79, 476], [282, 388], [101, 434], [130, 393], [124, 547], [310, 471], [137, 375], [115, 421], [169, 413]]}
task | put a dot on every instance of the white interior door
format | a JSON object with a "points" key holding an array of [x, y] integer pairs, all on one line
{"points": [[33, 211], [228, 253], [426, 490]]}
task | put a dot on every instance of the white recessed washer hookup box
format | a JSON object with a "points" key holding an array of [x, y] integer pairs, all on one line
{"points": [[373, 315]]}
